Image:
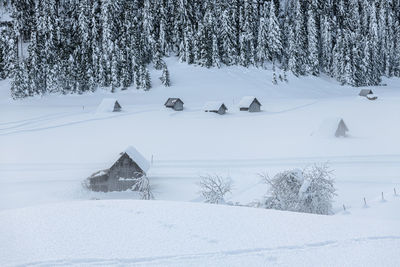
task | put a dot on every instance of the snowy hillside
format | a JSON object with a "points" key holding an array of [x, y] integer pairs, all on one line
{"points": [[49, 145], [156, 233]]}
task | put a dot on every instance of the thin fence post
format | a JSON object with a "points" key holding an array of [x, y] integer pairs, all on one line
{"points": [[344, 207], [383, 199], [395, 193], [365, 202]]}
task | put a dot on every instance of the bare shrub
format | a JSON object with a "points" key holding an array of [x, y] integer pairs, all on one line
{"points": [[310, 190], [144, 187], [213, 188]]}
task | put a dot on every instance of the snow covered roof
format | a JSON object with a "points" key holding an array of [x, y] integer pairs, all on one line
{"points": [[108, 105], [214, 106], [365, 92], [331, 126], [247, 100], [138, 158], [171, 101]]}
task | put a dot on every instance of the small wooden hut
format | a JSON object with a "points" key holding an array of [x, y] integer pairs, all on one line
{"points": [[174, 103], [122, 175], [368, 94], [109, 105], [331, 127], [216, 107], [341, 129], [365, 92], [250, 104]]}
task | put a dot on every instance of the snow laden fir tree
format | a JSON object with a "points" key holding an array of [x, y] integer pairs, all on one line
{"points": [[78, 46]]}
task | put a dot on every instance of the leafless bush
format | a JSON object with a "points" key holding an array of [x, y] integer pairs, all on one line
{"points": [[213, 188], [310, 190], [144, 187]]}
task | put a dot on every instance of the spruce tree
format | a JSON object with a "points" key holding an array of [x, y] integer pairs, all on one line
{"points": [[313, 57], [274, 34], [263, 50], [326, 45], [157, 58], [145, 83], [20, 86], [216, 57], [274, 80], [229, 38], [165, 80], [189, 46], [115, 81], [374, 47], [300, 38]]}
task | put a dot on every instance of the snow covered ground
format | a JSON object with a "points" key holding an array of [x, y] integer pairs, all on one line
{"points": [[158, 233], [49, 145]]}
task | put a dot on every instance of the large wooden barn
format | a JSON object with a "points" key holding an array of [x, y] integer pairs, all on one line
{"points": [[122, 175]]}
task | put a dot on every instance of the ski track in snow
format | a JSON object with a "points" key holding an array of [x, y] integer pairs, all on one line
{"points": [[294, 108], [64, 124], [31, 120], [268, 253], [228, 163], [240, 163]]}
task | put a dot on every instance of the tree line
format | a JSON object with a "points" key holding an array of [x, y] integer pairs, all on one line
{"points": [[77, 46]]}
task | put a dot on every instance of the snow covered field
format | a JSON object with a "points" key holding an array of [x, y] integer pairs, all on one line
{"points": [[49, 145], [157, 233]]}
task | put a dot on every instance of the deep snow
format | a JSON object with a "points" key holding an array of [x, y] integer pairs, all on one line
{"points": [[49, 145], [157, 233]]}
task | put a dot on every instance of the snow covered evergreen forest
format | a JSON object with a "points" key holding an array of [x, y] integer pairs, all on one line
{"points": [[69, 46]]}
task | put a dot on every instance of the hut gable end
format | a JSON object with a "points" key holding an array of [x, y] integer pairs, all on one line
{"points": [[125, 162], [124, 168]]}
